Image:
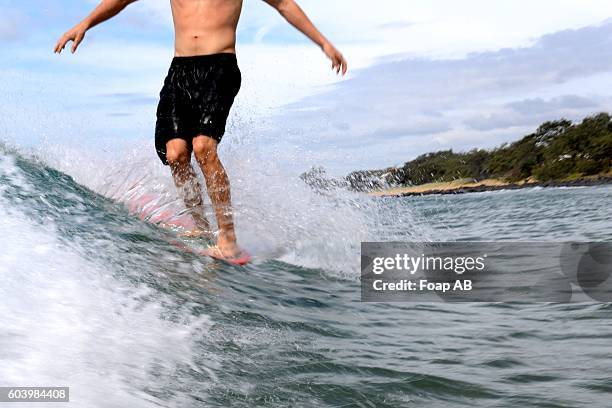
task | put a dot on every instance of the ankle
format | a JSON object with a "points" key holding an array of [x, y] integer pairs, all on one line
{"points": [[227, 233]]}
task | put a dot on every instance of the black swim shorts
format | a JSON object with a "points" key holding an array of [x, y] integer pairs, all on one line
{"points": [[196, 99]]}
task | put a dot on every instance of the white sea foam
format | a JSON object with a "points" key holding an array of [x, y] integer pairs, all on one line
{"points": [[67, 322], [277, 215]]}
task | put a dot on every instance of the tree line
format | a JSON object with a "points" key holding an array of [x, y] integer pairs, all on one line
{"points": [[558, 150]]}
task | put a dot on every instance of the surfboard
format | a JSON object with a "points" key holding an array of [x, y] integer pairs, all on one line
{"points": [[180, 225]]}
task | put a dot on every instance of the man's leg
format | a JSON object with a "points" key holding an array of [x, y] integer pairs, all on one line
{"points": [[179, 159], [217, 183]]}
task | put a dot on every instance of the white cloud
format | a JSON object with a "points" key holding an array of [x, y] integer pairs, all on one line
{"points": [[442, 27], [415, 105]]}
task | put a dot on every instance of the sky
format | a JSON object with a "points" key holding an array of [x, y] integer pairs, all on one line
{"points": [[424, 75]]}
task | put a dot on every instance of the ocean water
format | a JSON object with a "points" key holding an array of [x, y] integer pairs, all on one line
{"points": [[93, 298]]}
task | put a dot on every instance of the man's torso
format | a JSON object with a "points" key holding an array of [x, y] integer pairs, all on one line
{"points": [[205, 26]]}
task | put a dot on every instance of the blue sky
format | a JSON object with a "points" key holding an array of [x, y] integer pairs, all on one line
{"points": [[425, 75]]}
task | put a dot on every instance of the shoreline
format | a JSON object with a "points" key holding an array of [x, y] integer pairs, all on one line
{"points": [[466, 186]]}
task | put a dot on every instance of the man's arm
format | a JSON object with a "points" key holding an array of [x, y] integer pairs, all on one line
{"points": [[297, 18], [105, 10]]}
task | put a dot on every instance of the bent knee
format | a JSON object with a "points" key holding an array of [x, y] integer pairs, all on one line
{"points": [[204, 148], [177, 154]]}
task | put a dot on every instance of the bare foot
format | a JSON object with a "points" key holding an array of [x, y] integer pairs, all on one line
{"points": [[226, 244], [239, 258], [202, 227]]}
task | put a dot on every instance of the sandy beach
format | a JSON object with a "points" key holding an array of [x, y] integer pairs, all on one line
{"points": [[469, 186]]}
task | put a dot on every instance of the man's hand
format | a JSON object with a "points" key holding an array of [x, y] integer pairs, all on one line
{"points": [[105, 10], [290, 10], [338, 61], [75, 34]]}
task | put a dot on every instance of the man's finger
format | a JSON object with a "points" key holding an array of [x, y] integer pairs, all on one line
{"points": [[76, 43], [62, 42], [59, 46]]}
